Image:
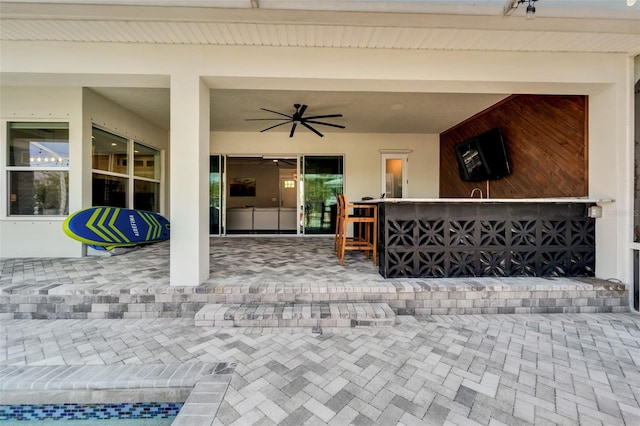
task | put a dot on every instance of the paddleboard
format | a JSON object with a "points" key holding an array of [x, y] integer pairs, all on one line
{"points": [[116, 227]]}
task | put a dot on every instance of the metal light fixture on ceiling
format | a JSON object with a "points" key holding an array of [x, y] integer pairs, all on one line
{"points": [[531, 8], [512, 5]]}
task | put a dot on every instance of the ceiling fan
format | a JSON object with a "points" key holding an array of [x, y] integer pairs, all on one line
{"points": [[279, 161], [297, 118]]}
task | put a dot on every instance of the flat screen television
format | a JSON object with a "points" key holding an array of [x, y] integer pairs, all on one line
{"points": [[483, 157]]}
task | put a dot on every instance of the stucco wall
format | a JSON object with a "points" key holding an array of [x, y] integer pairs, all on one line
{"points": [[361, 155], [108, 116], [40, 236], [605, 78]]}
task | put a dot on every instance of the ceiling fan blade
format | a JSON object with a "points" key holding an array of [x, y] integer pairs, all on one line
{"points": [[323, 116], [276, 112], [269, 128], [312, 129], [325, 124], [293, 129], [303, 108], [267, 119]]}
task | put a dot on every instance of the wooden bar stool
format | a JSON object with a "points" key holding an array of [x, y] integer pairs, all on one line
{"points": [[365, 219], [340, 215], [339, 207]]}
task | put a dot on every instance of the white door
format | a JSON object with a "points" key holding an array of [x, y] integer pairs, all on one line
{"points": [[394, 175], [288, 191]]}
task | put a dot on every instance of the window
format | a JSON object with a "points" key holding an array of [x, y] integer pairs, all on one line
{"points": [[146, 171], [146, 162], [38, 168], [115, 182], [110, 191]]}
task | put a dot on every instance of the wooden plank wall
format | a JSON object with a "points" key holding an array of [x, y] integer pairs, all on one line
{"points": [[547, 141]]}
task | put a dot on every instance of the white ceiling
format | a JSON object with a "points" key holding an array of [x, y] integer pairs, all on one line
{"points": [[473, 25], [599, 9], [363, 112], [559, 26]]}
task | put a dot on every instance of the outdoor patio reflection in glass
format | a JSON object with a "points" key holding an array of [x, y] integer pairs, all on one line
{"points": [[323, 181]]}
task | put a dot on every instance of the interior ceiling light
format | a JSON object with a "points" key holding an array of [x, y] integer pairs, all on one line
{"points": [[631, 2]]}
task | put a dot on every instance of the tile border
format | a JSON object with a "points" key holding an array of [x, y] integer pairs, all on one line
{"points": [[201, 386]]}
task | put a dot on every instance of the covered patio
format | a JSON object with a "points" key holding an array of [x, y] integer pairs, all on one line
{"points": [[272, 271]]}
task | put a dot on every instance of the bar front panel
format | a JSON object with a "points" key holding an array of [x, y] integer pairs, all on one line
{"points": [[486, 239]]}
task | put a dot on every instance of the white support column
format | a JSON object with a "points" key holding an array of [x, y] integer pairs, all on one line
{"points": [[189, 180]]}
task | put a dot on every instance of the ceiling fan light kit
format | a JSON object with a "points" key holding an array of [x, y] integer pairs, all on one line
{"points": [[298, 118], [531, 8], [512, 5]]}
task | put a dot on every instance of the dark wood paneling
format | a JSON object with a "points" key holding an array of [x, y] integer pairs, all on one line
{"points": [[546, 137]]}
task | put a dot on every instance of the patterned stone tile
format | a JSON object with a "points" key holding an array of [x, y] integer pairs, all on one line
{"points": [[277, 266], [508, 369]]}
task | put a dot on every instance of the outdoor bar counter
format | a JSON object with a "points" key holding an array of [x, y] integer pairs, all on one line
{"points": [[471, 237]]}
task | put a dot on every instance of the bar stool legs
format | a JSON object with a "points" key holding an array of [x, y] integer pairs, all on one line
{"points": [[365, 219]]}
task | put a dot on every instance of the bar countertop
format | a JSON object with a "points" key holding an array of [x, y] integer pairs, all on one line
{"points": [[490, 200]]}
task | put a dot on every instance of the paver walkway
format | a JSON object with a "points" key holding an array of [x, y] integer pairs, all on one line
{"points": [[566, 369]]}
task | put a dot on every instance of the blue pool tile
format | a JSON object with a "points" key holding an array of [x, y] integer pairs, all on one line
{"points": [[144, 410]]}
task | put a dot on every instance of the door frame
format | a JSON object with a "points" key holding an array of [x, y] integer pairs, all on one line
{"points": [[404, 157]]}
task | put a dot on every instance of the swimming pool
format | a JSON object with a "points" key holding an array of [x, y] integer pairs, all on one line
{"points": [[138, 413]]}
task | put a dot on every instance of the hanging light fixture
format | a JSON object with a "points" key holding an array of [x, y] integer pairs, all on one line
{"points": [[531, 8], [511, 6]]}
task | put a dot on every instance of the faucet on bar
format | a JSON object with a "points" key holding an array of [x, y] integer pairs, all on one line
{"points": [[474, 191]]}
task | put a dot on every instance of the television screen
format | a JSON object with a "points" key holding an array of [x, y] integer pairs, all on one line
{"points": [[483, 157]]}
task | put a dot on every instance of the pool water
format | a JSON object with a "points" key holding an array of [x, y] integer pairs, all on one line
{"points": [[139, 413], [104, 422]]}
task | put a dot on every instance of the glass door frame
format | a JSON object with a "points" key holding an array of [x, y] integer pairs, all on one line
{"points": [[302, 196], [221, 195], [300, 203], [300, 188], [404, 157]]}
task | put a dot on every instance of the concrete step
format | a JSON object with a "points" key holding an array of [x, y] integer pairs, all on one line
{"points": [[343, 314]]}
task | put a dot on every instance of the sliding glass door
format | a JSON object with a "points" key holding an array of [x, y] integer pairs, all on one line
{"points": [[323, 181], [216, 169], [268, 195]]}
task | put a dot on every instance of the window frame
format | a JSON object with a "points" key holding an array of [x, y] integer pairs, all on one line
{"points": [[130, 175], [6, 169], [404, 159]]}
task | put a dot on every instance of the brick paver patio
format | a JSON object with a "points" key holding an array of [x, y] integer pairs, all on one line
{"points": [[540, 369]]}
